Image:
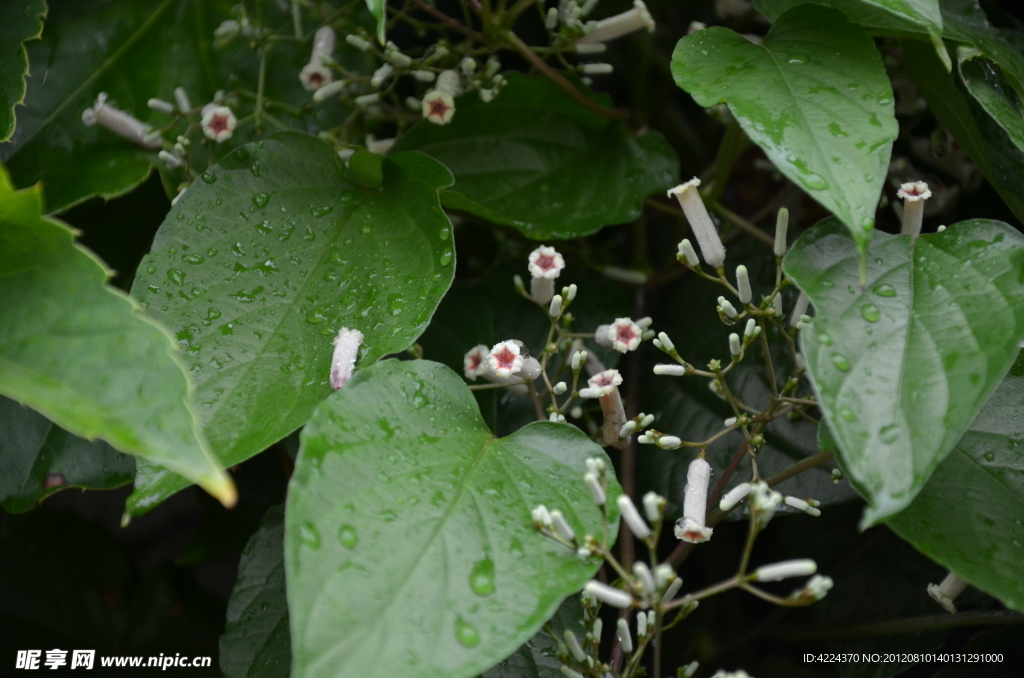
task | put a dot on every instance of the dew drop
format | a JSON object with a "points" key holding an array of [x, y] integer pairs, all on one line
{"points": [[176, 276], [825, 339], [347, 536], [444, 233], [990, 456], [847, 414], [889, 434], [481, 578], [261, 199], [840, 361], [446, 257], [885, 290], [870, 313], [193, 259], [315, 317], [309, 536], [208, 176], [466, 634]]}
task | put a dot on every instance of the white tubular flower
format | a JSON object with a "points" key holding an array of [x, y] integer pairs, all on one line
{"points": [[608, 594], [172, 161], [323, 44], [801, 505], [346, 350], [541, 516], [641, 625], [621, 24], [380, 75], [118, 122], [672, 590], [802, 567], [653, 505], [632, 517], [555, 308], [367, 100], [624, 335], [505, 359], [161, 105], [700, 221], [574, 646], [734, 496], [357, 42], [545, 265], [551, 19], [438, 107], [913, 194], [625, 639], [764, 501], [335, 88], [726, 307], [735, 347], [448, 82], [800, 309], [670, 370], [945, 593], [594, 485], [591, 47], [687, 253], [562, 528], [603, 335], [669, 442], [590, 393], [605, 385], [313, 76], [559, 388], [691, 526], [219, 123], [646, 578], [474, 363], [597, 68], [781, 228], [181, 98], [743, 284]]}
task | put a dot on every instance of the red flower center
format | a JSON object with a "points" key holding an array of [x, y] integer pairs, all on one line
{"points": [[506, 358], [474, 361], [626, 333], [219, 123], [438, 108], [545, 262], [316, 78]]}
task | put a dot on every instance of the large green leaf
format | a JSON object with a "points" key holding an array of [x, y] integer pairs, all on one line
{"points": [[915, 16], [538, 657], [814, 95], [82, 353], [259, 265], [40, 458], [904, 364], [130, 50], [23, 21], [968, 516], [995, 159], [409, 546], [255, 641], [535, 159]]}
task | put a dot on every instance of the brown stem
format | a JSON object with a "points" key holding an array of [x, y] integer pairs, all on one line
{"points": [[555, 77], [454, 24]]}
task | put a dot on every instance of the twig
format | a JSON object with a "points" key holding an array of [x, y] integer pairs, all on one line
{"points": [[454, 24]]}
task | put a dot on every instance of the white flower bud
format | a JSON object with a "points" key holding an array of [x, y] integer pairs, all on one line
{"points": [[161, 105], [562, 528], [669, 442], [670, 370], [367, 100], [335, 88], [764, 500], [781, 226], [323, 44], [591, 48], [594, 485], [118, 122], [646, 420], [734, 496], [541, 516], [652, 506], [357, 42], [641, 625], [777, 305], [556, 306], [621, 24], [700, 222], [596, 465], [687, 252], [672, 590], [448, 82], [571, 292], [691, 527], [346, 350], [172, 161], [578, 359], [726, 307], [800, 309], [597, 629], [627, 429], [735, 347], [590, 393], [743, 284], [551, 19], [380, 75], [181, 97], [666, 343], [625, 639], [663, 575], [801, 505], [607, 594], [789, 568], [750, 329], [559, 388], [597, 68], [632, 517], [643, 574], [574, 646], [569, 673]]}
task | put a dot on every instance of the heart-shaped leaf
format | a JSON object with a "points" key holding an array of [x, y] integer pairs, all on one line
{"points": [[83, 355], [535, 159], [256, 639], [968, 516], [903, 365], [409, 545], [23, 21], [41, 458], [261, 262], [814, 96]]}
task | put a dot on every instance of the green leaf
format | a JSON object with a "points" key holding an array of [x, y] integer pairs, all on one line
{"points": [[915, 16], [132, 51], [40, 459], [686, 407], [378, 8], [409, 545], [535, 159], [21, 23], [814, 95], [259, 265], [538, 657], [83, 355], [968, 516], [953, 110], [904, 364], [255, 641]]}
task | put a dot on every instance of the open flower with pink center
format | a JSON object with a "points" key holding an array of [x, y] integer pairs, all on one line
{"points": [[474, 364], [624, 335], [219, 123], [438, 107], [546, 262], [505, 359], [313, 76], [605, 382]]}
